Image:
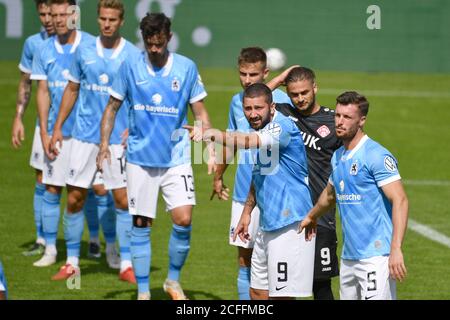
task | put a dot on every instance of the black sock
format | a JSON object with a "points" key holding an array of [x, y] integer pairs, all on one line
{"points": [[322, 290]]}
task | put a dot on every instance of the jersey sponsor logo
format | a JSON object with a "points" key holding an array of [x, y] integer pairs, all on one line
{"points": [[354, 169], [311, 141], [97, 88], [65, 73], [159, 110], [342, 185], [350, 198], [157, 99], [389, 164], [176, 85], [104, 79], [323, 131]]}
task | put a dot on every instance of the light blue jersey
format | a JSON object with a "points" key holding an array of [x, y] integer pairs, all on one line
{"points": [[52, 63], [366, 213], [94, 68], [238, 122], [280, 175], [31, 46], [158, 108], [3, 284]]}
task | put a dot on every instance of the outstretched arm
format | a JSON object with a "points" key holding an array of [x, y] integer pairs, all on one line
{"points": [[107, 125], [23, 98], [397, 197]]}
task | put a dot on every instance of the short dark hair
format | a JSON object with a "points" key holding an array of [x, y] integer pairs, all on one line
{"points": [[353, 97], [111, 4], [300, 74], [252, 55], [70, 2], [39, 2], [256, 90], [155, 23]]}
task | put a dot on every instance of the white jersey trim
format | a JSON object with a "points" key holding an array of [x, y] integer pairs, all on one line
{"points": [[167, 67], [72, 79], [388, 180], [116, 52], [23, 69], [116, 95], [38, 77], [198, 97], [77, 41], [358, 146]]}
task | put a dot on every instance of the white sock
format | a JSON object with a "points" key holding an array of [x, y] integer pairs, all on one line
{"points": [[40, 240], [50, 250], [124, 265], [110, 247], [73, 261]]}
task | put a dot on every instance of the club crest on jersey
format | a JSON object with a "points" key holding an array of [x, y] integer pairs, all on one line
{"points": [[389, 163], [157, 99], [342, 185], [273, 128], [354, 169], [323, 131], [175, 85]]}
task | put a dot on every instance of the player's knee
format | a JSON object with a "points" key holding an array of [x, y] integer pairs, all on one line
{"points": [[75, 203], [245, 257], [121, 203], [142, 222]]}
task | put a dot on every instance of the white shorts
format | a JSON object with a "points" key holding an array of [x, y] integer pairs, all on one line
{"points": [[82, 170], [283, 263], [366, 279], [115, 175], [37, 151], [55, 171], [236, 211], [143, 184]]}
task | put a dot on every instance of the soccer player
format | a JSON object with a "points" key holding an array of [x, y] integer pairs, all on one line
{"points": [[316, 123], [366, 185], [3, 284], [252, 69], [90, 76], [51, 68], [282, 262], [30, 47], [158, 85]]}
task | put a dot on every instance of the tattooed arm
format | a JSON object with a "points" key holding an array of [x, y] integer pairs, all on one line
{"points": [[108, 119], [23, 98]]}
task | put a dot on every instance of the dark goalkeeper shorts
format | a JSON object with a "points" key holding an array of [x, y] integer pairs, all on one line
{"points": [[326, 264]]}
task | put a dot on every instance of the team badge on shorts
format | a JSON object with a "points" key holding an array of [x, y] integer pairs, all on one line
{"points": [[36, 156], [323, 131], [132, 203]]}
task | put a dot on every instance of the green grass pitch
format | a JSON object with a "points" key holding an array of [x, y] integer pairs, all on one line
{"points": [[409, 115]]}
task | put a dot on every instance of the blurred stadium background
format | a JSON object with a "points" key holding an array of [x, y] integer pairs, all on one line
{"points": [[403, 68]]}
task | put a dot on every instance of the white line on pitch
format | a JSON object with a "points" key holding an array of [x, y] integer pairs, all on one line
{"points": [[429, 233], [438, 183]]}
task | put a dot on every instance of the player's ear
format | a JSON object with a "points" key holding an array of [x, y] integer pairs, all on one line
{"points": [[265, 73], [362, 121], [315, 88], [169, 37]]}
